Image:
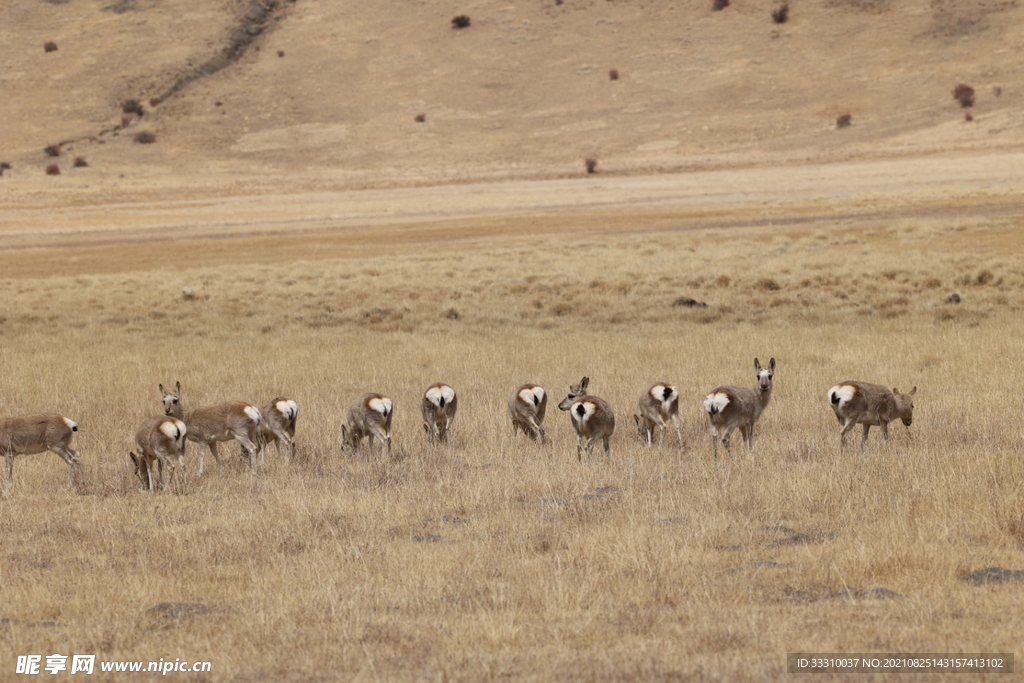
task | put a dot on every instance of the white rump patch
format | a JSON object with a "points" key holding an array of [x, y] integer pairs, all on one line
{"points": [[658, 394], [72, 425], [381, 405], [533, 395], [253, 413], [588, 411], [173, 429], [287, 408], [436, 394], [845, 392], [716, 403]]}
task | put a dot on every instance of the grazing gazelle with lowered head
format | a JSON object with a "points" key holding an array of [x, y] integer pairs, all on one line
{"points": [[220, 422], [861, 403], [659, 405], [438, 409], [527, 406], [159, 439], [731, 407], [37, 433], [370, 416], [592, 418], [278, 425]]}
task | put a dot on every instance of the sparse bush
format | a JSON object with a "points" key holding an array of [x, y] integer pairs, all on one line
{"points": [[964, 94], [52, 151], [452, 314], [280, 53], [613, 74], [767, 284], [145, 137], [154, 101], [968, 116], [997, 90], [461, 21], [132, 107], [421, 117], [985, 277], [126, 121], [591, 165], [781, 15], [50, 46], [80, 162], [3, 167], [53, 169], [844, 121], [719, 5]]}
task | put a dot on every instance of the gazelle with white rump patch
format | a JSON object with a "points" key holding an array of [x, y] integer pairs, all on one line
{"points": [[730, 407], [659, 405], [526, 407], [159, 439], [278, 425], [32, 434], [861, 403], [592, 418], [438, 409], [221, 422], [370, 416]]}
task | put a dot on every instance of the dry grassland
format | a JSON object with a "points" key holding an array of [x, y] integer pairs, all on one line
{"points": [[494, 558]]}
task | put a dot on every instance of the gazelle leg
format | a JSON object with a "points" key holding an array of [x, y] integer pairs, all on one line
{"points": [[864, 436]]}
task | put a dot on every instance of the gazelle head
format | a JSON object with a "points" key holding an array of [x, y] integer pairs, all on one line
{"points": [[905, 405], [172, 400], [575, 392], [764, 375]]}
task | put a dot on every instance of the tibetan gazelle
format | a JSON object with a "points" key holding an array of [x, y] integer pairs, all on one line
{"points": [[658, 405], [37, 433], [220, 422], [438, 409], [278, 425], [526, 407], [592, 418], [370, 416], [159, 439], [730, 407], [860, 403]]}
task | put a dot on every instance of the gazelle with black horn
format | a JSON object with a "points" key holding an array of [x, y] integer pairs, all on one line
{"points": [[730, 407], [592, 418]]}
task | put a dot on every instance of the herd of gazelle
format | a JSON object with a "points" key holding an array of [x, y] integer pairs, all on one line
{"points": [[161, 439]]}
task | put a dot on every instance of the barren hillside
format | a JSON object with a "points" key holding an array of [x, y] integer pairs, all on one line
{"points": [[334, 88]]}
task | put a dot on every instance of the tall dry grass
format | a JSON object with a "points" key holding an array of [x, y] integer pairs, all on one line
{"points": [[494, 558]]}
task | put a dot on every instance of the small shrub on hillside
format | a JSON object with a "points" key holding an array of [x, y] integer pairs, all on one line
{"points": [[781, 15], [461, 21], [153, 101], [50, 46], [719, 5], [613, 74], [964, 94], [132, 107], [591, 165], [280, 53], [52, 151], [53, 169], [421, 117], [968, 116], [844, 121], [80, 162], [767, 284], [145, 137]]}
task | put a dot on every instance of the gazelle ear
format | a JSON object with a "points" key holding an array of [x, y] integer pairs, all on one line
{"points": [[757, 365], [771, 365], [162, 392], [912, 391], [177, 388], [584, 382], [895, 390]]}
